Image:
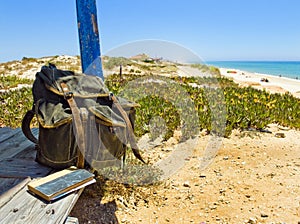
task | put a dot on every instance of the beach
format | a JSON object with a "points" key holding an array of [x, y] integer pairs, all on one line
{"points": [[271, 83]]}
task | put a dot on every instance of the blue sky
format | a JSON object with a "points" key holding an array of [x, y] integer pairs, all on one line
{"points": [[212, 29]]}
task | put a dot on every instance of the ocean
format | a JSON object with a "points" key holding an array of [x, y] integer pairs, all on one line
{"points": [[289, 69]]}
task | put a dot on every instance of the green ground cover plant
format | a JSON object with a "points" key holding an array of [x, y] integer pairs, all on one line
{"points": [[13, 106], [7, 82], [246, 108]]}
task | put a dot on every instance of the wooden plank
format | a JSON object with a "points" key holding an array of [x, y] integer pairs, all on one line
{"points": [[72, 220], [14, 167], [72, 204], [15, 144], [10, 186], [29, 153], [9, 182], [25, 208], [6, 133]]}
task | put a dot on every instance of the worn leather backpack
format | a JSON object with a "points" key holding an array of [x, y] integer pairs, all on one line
{"points": [[80, 121]]}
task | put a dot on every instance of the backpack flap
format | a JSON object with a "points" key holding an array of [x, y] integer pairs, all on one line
{"points": [[52, 114], [111, 129]]}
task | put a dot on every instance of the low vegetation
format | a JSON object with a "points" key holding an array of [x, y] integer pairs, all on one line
{"points": [[246, 108], [216, 101], [8, 82], [13, 106], [111, 62]]}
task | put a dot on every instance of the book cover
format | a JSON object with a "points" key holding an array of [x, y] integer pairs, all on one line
{"points": [[60, 183]]}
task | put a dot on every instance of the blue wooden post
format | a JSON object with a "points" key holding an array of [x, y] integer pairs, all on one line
{"points": [[89, 37]]}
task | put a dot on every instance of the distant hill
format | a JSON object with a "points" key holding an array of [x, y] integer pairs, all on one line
{"points": [[140, 64], [27, 67]]}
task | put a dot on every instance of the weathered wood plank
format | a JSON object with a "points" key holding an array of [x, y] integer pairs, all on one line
{"points": [[28, 153], [72, 204], [9, 182], [6, 133], [14, 167], [10, 186], [72, 220], [15, 144], [25, 208]]}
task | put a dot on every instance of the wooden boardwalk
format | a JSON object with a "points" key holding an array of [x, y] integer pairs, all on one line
{"points": [[17, 169]]}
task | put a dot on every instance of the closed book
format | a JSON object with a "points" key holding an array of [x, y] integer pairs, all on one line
{"points": [[61, 183]]}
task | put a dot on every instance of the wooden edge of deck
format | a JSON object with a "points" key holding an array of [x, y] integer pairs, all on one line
{"points": [[71, 220], [9, 194], [72, 204]]}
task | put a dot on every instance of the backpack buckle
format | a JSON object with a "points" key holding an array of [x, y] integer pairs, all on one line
{"points": [[110, 96], [68, 95]]}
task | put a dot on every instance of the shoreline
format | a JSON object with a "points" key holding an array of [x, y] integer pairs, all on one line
{"points": [[271, 83]]}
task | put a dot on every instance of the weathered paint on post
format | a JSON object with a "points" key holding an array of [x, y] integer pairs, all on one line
{"points": [[89, 37]]}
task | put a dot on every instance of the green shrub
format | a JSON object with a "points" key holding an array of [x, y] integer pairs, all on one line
{"points": [[14, 105], [113, 62], [7, 82]]}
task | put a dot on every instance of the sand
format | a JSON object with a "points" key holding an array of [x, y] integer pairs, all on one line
{"points": [[254, 178], [275, 84]]}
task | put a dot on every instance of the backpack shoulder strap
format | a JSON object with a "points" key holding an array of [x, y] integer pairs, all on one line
{"points": [[132, 141], [26, 126], [77, 123]]}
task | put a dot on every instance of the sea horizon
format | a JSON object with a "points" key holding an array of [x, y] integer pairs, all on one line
{"points": [[288, 69]]}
